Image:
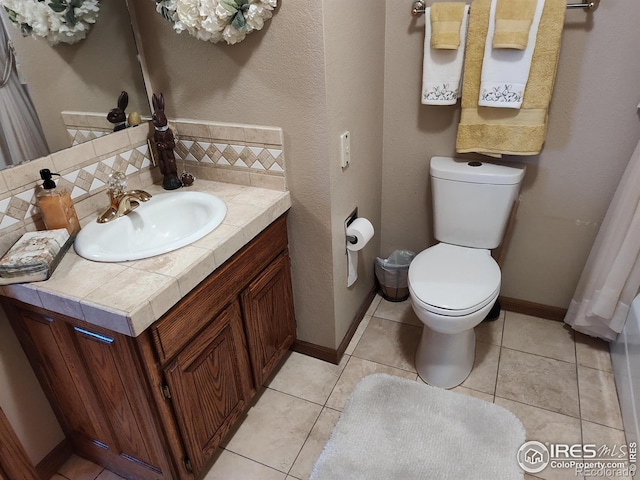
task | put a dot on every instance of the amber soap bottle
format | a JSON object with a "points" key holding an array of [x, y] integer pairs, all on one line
{"points": [[56, 205]]}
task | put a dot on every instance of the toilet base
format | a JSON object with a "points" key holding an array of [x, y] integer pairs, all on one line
{"points": [[445, 360], [494, 313]]}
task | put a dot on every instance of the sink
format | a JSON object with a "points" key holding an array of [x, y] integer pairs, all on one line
{"points": [[166, 222]]}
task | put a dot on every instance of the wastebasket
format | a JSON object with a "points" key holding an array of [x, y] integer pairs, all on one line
{"points": [[393, 275]]}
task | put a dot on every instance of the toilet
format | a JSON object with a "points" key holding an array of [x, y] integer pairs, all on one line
{"points": [[454, 284]]}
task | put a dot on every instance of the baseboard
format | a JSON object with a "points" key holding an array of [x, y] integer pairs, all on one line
{"points": [[531, 308], [334, 355], [50, 465], [317, 351]]}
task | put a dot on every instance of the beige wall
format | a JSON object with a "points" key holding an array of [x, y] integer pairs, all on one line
{"points": [[87, 76], [593, 129], [355, 86], [22, 399]]}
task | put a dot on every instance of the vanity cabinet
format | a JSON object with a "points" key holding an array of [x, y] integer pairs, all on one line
{"points": [[92, 380], [157, 406]]}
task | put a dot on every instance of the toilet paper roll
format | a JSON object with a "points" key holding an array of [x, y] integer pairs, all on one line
{"points": [[352, 267], [362, 230]]}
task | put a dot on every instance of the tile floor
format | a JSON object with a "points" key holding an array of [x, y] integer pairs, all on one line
{"points": [[558, 383]]}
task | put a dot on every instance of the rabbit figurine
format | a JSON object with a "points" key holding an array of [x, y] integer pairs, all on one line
{"points": [[165, 143], [117, 115]]}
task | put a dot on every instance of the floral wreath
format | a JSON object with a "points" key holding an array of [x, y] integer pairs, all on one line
{"points": [[58, 21], [215, 20]]}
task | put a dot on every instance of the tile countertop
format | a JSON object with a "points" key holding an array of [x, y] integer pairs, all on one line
{"points": [[127, 297]]}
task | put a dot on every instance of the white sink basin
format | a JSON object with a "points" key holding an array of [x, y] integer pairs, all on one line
{"points": [[166, 222]]}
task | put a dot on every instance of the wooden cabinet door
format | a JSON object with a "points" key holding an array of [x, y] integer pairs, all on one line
{"points": [[210, 385], [119, 384], [270, 325], [50, 348], [97, 391]]}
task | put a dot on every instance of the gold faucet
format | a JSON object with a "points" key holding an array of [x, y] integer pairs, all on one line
{"points": [[121, 202]]}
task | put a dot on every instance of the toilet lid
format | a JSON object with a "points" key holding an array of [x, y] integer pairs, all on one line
{"points": [[451, 277]]}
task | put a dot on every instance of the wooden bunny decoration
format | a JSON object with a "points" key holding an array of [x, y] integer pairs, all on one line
{"points": [[117, 115], [165, 143]]}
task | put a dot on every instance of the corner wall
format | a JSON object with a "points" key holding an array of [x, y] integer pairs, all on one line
{"points": [[274, 77], [355, 88]]}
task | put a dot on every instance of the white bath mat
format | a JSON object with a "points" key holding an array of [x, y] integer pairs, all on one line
{"points": [[397, 429]]}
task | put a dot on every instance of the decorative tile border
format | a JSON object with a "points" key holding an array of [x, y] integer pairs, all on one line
{"points": [[236, 148], [255, 158], [84, 126], [242, 154], [84, 135], [81, 183]]}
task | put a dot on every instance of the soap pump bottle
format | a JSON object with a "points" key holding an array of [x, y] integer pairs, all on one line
{"points": [[56, 205]]}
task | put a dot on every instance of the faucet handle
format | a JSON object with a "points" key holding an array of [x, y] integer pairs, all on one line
{"points": [[117, 181]]}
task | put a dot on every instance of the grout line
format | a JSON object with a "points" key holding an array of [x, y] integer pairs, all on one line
{"points": [[543, 356], [575, 351], [603, 425], [397, 321], [250, 459], [324, 405], [537, 406], [335, 384], [305, 442], [385, 364], [495, 385], [293, 396]]}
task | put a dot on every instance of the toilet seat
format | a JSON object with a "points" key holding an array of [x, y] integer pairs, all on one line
{"points": [[454, 281]]}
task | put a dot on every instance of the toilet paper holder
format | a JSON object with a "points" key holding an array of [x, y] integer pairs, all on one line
{"points": [[358, 231], [352, 216]]}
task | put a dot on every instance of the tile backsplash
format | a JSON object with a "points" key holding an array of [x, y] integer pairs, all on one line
{"points": [[240, 154], [247, 155], [84, 126]]}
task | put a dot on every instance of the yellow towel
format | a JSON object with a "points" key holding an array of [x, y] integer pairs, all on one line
{"points": [[496, 131], [446, 18], [513, 21]]}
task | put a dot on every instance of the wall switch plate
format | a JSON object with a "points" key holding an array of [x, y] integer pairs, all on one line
{"points": [[345, 150]]}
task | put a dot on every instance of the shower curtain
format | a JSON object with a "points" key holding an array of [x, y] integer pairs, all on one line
{"points": [[611, 276], [21, 136]]}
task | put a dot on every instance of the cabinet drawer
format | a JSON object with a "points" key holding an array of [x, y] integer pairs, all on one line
{"points": [[185, 320]]}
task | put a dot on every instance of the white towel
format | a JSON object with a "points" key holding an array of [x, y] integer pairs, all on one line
{"points": [[505, 71], [442, 69]]}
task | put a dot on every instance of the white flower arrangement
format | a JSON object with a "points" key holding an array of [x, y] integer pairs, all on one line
{"points": [[58, 21], [216, 20]]}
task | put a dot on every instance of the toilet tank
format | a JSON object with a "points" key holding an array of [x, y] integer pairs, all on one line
{"points": [[472, 200]]}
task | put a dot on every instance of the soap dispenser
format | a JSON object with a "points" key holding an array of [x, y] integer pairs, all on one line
{"points": [[56, 205]]}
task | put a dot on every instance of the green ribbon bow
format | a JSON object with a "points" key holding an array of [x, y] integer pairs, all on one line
{"points": [[236, 7]]}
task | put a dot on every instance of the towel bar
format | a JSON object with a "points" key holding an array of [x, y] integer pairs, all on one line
{"points": [[419, 7]]}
